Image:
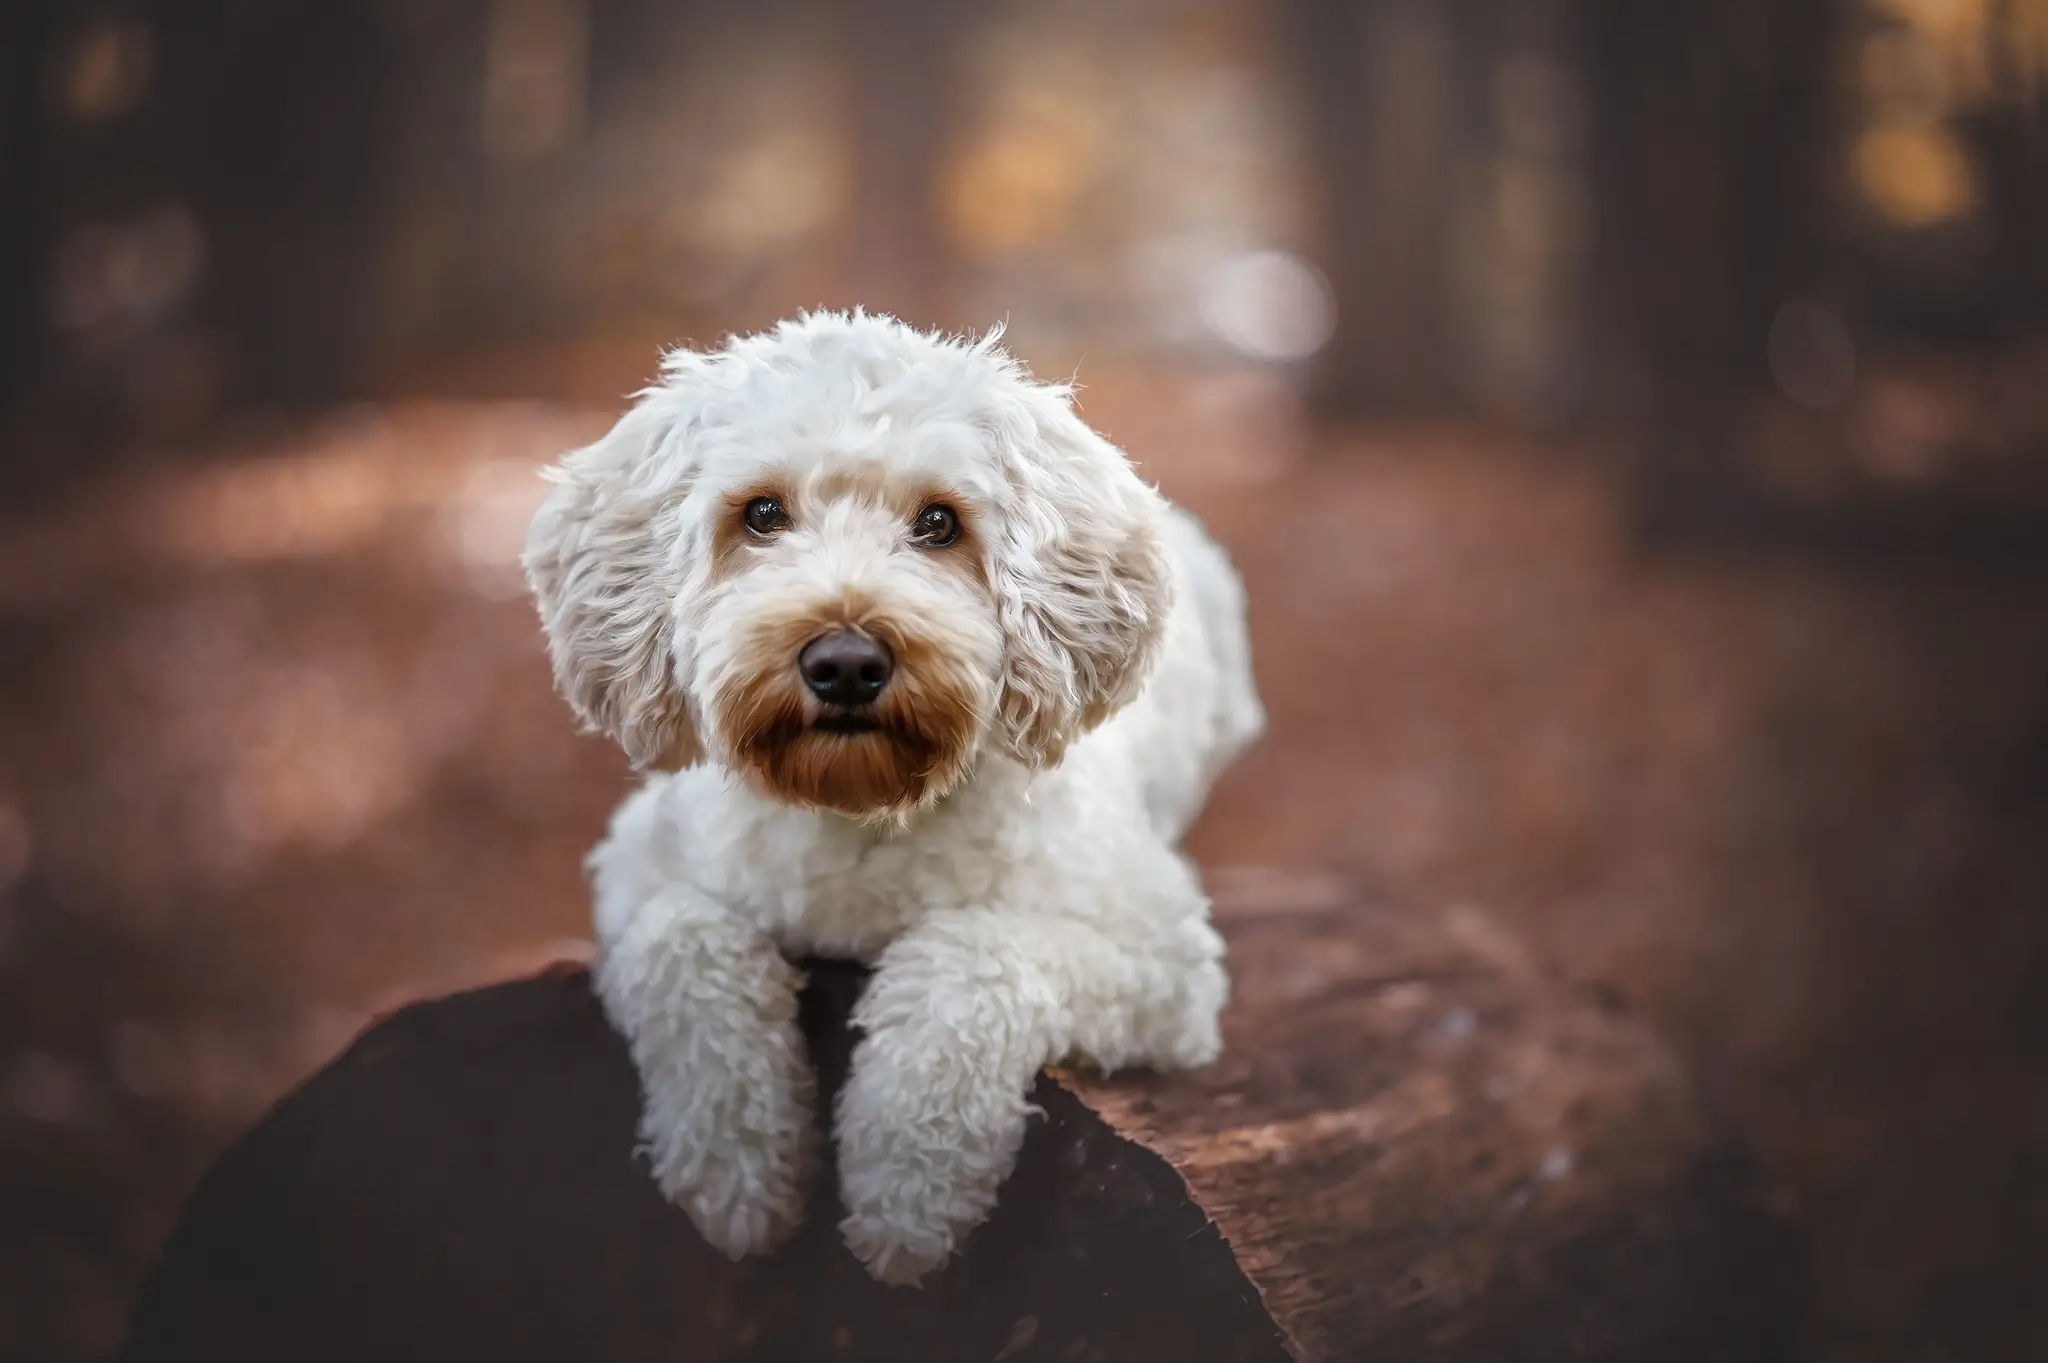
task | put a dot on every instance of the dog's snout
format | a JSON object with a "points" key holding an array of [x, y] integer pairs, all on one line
{"points": [[845, 667]]}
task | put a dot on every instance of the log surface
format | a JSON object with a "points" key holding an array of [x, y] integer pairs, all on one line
{"points": [[1416, 1147]]}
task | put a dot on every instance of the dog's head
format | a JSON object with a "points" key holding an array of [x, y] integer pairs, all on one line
{"points": [[843, 558]]}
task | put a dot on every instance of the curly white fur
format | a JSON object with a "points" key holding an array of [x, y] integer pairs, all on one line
{"points": [[1071, 677]]}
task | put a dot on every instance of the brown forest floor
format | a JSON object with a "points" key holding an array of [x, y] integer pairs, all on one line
{"points": [[278, 750]]}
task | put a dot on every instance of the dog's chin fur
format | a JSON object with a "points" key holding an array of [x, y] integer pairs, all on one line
{"points": [[908, 760], [925, 729], [874, 777]]}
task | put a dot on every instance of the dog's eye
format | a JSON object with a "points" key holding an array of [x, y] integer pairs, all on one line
{"points": [[765, 516], [936, 526]]}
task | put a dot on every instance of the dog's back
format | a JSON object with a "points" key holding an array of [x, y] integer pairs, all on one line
{"points": [[1217, 595], [1201, 708]]}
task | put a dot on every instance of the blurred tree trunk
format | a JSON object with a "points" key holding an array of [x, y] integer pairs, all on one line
{"points": [[24, 39], [300, 132], [1995, 296], [1379, 76], [901, 55], [1710, 192]]}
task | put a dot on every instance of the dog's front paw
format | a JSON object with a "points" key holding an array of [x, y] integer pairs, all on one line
{"points": [[738, 1210], [926, 1137], [735, 1156], [893, 1253]]}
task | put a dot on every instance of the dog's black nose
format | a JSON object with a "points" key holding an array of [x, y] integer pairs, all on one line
{"points": [[845, 668]]}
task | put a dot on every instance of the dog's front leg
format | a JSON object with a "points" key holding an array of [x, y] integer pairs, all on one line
{"points": [[960, 1015], [708, 1006]]}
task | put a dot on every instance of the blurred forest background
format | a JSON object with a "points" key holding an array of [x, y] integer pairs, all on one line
{"points": [[1631, 418]]}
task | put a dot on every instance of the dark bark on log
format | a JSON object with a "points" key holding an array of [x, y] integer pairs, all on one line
{"points": [[1420, 1147], [1417, 1147]]}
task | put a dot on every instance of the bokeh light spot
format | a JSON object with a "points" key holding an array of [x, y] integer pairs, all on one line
{"points": [[1812, 358], [1270, 305], [1915, 174], [105, 72]]}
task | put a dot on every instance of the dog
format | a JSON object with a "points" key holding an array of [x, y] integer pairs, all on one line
{"points": [[922, 675]]}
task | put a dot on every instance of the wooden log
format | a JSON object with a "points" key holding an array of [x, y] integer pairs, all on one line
{"points": [[1417, 1147]]}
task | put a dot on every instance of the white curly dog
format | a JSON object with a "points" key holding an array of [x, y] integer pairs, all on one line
{"points": [[926, 677]]}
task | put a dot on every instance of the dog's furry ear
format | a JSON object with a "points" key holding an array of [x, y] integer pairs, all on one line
{"points": [[604, 556], [1082, 581]]}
